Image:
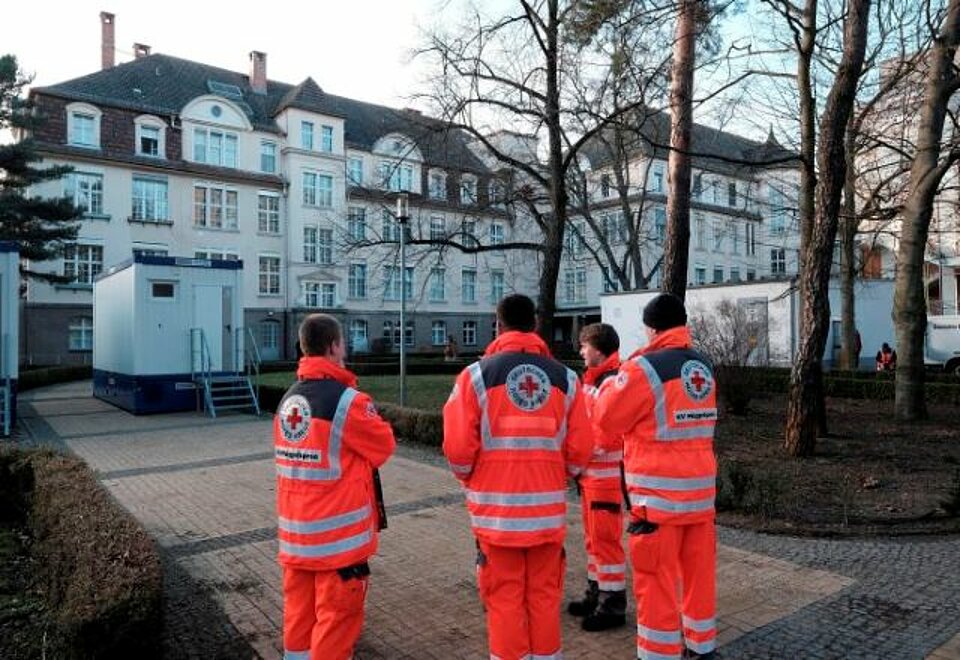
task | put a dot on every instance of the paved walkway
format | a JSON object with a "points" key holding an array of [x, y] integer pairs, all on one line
{"points": [[204, 489]]}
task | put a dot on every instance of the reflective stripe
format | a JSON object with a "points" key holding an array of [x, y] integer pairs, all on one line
{"points": [[517, 499], [553, 656], [701, 647], [644, 654], [336, 427], [611, 585], [307, 474], [296, 655], [603, 473], [520, 442], [612, 568], [671, 506], [324, 524], [568, 404], [533, 524], [326, 549], [659, 636], [461, 468], [670, 483], [607, 456], [664, 430], [476, 379], [700, 625]]}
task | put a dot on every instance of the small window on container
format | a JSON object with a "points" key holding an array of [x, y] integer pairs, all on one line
{"points": [[163, 290]]}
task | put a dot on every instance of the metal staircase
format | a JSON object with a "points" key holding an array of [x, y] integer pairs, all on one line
{"points": [[223, 390]]}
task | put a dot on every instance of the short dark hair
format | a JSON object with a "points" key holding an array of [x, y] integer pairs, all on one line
{"points": [[602, 337], [517, 312], [664, 312], [318, 332]]}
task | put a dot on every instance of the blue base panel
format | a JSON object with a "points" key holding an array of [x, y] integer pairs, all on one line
{"points": [[145, 395]]}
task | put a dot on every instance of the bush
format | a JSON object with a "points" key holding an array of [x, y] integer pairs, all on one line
{"points": [[952, 504], [102, 573], [743, 489], [34, 378], [414, 424]]}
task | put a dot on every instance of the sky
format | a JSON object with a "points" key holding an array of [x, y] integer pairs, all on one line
{"points": [[354, 48]]}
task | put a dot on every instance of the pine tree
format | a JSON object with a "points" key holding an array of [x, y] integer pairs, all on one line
{"points": [[39, 226]]}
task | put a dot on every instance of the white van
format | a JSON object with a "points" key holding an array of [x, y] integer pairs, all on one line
{"points": [[942, 345]]}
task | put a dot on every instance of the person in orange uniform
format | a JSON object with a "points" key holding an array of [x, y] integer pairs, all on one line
{"points": [[604, 604], [664, 403], [328, 440], [514, 428]]}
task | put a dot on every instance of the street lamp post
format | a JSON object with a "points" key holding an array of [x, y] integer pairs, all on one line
{"points": [[403, 215]]}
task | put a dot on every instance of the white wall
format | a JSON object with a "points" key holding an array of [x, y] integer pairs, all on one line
{"points": [[114, 316], [9, 313]]}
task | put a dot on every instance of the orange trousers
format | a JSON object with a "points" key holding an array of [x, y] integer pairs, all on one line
{"points": [[674, 581], [521, 589], [322, 614], [603, 537]]}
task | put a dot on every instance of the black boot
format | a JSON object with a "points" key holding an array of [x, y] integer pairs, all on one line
{"points": [[589, 603], [693, 655], [611, 612]]}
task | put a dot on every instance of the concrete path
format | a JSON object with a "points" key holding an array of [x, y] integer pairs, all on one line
{"points": [[204, 489]]}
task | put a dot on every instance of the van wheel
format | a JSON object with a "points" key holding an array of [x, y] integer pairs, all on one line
{"points": [[953, 367]]}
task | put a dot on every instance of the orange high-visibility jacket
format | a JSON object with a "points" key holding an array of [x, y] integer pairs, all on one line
{"points": [[603, 471], [328, 438], [664, 402], [514, 427]]}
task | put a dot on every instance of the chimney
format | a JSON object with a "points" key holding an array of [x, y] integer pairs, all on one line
{"points": [[107, 42], [140, 50], [258, 71]]}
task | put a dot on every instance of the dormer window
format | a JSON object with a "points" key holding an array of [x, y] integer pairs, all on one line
{"points": [[150, 137], [438, 185], [83, 128], [468, 191]]}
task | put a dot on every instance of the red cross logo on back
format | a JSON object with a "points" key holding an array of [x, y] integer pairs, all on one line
{"points": [[698, 381], [294, 418], [529, 386]]}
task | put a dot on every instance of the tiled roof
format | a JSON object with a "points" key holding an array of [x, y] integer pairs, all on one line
{"points": [[163, 85]]}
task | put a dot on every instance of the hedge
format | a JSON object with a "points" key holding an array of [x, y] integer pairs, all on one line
{"points": [[101, 573], [35, 378]]}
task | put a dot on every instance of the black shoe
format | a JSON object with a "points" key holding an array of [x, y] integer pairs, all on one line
{"points": [[610, 613], [589, 602], [692, 655]]}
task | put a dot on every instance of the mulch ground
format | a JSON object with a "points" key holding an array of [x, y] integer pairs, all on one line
{"points": [[870, 475]]}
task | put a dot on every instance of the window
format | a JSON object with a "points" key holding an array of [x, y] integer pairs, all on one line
{"points": [[717, 274], [778, 213], [750, 239], [269, 280], [438, 228], [215, 254], [357, 281], [408, 333], [699, 275], [357, 223], [735, 237], [82, 262], [149, 251], [268, 213], [604, 185], [701, 229], [306, 135], [81, 333], [438, 285], [355, 171], [326, 138], [268, 157], [269, 335], [84, 129], [310, 244], [149, 199], [319, 294], [468, 191], [496, 233], [657, 178], [469, 333], [438, 333], [715, 191], [358, 335], [719, 234], [391, 283], [396, 177], [148, 140], [468, 285], [325, 247], [614, 227], [214, 147], [87, 192], [731, 194], [324, 191], [391, 228], [734, 274], [310, 188], [496, 285], [496, 193], [660, 224], [438, 185], [391, 331], [575, 285], [697, 188], [469, 232], [163, 290], [215, 207], [607, 280], [751, 274], [778, 261], [573, 240]]}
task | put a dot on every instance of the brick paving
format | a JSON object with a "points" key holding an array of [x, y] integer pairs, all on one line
{"points": [[204, 489]]}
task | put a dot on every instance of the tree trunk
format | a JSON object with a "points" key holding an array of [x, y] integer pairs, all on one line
{"points": [[805, 404], [676, 248], [909, 301], [849, 354], [808, 130]]}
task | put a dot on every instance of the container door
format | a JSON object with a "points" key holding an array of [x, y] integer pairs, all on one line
{"points": [[208, 315], [229, 352]]}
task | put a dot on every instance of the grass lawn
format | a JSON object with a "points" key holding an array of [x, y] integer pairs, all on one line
{"points": [[425, 392]]}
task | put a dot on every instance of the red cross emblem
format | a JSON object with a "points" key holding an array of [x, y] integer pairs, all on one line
{"points": [[294, 418], [698, 381], [529, 386]]}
